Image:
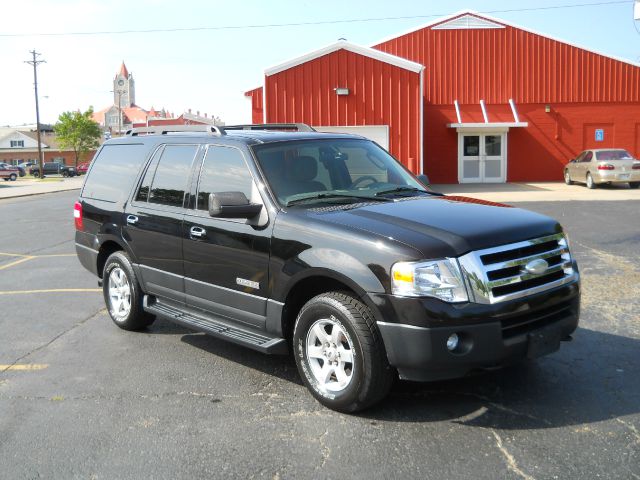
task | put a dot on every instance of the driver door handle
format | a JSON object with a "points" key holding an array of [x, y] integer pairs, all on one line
{"points": [[197, 232]]}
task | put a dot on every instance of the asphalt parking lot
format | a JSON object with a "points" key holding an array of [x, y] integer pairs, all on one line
{"points": [[80, 398]]}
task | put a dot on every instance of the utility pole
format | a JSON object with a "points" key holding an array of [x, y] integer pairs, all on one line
{"points": [[35, 62]]}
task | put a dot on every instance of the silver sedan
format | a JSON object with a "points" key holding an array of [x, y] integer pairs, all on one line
{"points": [[603, 165]]}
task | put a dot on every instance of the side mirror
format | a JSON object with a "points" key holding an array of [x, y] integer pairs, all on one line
{"points": [[424, 180], [232, 205]]}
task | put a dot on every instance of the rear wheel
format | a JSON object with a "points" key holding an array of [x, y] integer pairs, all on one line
{"points": [[567, 178], [340, 354], [13, 177], [590, 183], [36, 174], [122, 293], [65, 173], [634, 184]]}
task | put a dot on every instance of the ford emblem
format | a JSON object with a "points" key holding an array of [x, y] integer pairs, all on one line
{"points": [[536, 267]]}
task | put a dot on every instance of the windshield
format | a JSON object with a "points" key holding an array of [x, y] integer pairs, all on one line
{"points": [[613, 155], [333, 169]]}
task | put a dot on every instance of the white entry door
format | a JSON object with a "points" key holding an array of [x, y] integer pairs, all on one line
{"points": [[482, 157]]}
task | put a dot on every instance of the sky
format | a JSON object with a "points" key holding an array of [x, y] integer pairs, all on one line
{"points": [[210, 69]]}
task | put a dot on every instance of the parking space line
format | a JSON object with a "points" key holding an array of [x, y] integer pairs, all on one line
{"points": [[25, 258], [24, 366], [51, 290], [16, 262]]}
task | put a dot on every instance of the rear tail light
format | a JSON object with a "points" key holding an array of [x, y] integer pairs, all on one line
{"points": [[636, 166], [77, 215], [606, 166]]}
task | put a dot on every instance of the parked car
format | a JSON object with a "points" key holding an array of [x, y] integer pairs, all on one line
{"points": [[54, 168], [8, 174], [325, 246], [82, 168], [15, 168], [603, 165]]}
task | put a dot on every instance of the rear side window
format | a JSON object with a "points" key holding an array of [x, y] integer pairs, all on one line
{"points": [[114, 171], [223, 170], [171, 175]]}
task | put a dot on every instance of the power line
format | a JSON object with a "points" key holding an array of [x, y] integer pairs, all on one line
{"points": [[301, 24]]}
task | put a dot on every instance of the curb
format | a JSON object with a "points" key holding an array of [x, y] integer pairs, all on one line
{"points": [[39, 193]]}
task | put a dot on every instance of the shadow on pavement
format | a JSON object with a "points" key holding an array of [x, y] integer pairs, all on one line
{"points": [[594, 378]]}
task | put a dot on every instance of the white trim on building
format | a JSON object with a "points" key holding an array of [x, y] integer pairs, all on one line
{"points": [[351, 47]]}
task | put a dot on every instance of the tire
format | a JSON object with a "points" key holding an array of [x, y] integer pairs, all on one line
{"points": [[336, 327], [634, 184], [122, 293], [13, 177], [590, 183], [65, 173], [36, 174], [567, 178]]}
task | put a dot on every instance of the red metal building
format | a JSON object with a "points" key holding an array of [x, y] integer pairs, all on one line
{"points": [[468, 98]]}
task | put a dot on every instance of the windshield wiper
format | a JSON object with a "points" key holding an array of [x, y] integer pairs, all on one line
{"points": [[324, 195], [400, 190]]}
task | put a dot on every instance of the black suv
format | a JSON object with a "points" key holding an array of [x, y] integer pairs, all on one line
{"points": [[325, 246], [54, 168]]}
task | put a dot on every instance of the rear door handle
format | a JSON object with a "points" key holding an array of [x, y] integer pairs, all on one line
{"points": [[197, 232], [132, 219]]}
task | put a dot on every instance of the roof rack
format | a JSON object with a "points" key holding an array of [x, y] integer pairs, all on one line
{"points": [[300, 127], [166, 129]]}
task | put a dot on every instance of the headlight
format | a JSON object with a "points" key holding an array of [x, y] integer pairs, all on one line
{"points": [[435, 278]]}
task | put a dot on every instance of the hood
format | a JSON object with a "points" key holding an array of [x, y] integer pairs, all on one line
{"points": [[444, 226]]}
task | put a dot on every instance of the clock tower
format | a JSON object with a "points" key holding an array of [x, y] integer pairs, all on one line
{"points": [[124, 89]]}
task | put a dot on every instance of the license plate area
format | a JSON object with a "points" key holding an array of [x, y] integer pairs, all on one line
{"points": [[543, 342], [623, 176]]}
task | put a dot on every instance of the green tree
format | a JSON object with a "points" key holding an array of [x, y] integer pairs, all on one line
{"points": [[78, 132]]}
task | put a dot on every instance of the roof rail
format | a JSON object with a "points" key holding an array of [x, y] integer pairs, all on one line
{"points": [[165, 129], [300, 127]]}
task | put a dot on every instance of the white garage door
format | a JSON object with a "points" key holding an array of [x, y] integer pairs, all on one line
{"points": [[377, 133]]}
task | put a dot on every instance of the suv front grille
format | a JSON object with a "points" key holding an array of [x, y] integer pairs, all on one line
{"points": [[509, 271]]}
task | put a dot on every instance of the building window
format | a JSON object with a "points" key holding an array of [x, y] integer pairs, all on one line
{"points": [[17, 143]]}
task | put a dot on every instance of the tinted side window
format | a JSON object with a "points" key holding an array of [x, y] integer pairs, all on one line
{"points": [[223, 170], [145, 186], [114, 171], [587, 157], [172, 175]]}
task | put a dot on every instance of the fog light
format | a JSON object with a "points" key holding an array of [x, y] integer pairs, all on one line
{"points": [[452, 342]]}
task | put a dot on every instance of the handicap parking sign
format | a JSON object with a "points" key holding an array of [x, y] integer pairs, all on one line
{"points": [[599, 135]]}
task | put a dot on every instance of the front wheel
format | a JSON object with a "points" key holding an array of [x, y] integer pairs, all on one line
{"points": [[36, 174], [590, 183], [65, 173], [122, 293], [340, 354], [567, 178], [13, 177]]}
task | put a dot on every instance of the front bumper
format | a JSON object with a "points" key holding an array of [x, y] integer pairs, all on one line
{"points": [[415, 331]]}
